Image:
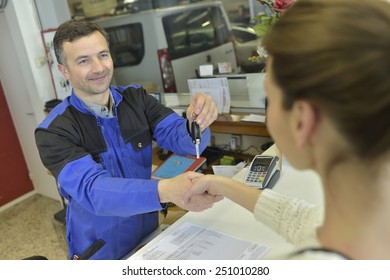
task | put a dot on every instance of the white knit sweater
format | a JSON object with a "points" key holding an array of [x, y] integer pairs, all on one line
{"points": [[296, 220]]}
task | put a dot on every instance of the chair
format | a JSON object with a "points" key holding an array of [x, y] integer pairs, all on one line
{"points": [[37, 257]]}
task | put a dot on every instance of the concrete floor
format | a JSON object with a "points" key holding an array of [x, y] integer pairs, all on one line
{"points": [[28, 229]]}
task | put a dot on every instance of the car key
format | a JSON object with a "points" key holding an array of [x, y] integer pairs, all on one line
{"points": [[195, 135]]}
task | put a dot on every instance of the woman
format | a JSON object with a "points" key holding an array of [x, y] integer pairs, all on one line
{"points": [[328, 87]]}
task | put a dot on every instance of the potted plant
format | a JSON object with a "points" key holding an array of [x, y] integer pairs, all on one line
{"points": [[265, 20]]}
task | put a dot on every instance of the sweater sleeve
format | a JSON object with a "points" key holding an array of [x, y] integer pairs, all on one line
{"points": [[294, 219]]}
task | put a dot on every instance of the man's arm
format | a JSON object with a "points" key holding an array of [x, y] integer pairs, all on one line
{"points": [[173, 190], [173, 134]]}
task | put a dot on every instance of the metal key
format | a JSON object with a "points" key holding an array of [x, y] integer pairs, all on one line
{"points": [[195, 135]]}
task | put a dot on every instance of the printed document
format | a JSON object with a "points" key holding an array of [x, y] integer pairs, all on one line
{"points": [[254, 118], [193, 242], [217, 88], [228, 170]]}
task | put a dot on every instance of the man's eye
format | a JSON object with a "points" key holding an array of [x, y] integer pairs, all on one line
{"points": [[82, 61], [104, 55]]}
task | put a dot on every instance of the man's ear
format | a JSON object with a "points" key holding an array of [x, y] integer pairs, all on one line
{"points": [[305, 121], [64, 71]]}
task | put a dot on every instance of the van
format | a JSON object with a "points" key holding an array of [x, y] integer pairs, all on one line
{"points": [[165, 46]]}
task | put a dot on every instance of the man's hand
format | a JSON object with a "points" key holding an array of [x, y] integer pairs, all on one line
{"points": [[173, 190], [220, 187], [201, 186], [202, 109]]}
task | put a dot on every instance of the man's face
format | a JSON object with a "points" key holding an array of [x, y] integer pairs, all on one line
{"points": [[88, 65]]}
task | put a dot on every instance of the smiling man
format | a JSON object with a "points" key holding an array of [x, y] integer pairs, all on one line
{"points": [[89, 66], [98, 145]]}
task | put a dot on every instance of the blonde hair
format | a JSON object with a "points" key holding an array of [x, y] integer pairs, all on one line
{"points": [[336, 55]]}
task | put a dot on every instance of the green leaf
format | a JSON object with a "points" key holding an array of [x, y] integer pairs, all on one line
{"points": [[261, 29], [259, 16], [255, 59]]}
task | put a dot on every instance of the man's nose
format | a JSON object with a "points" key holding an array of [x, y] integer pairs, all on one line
{"points": [[97, 66]]}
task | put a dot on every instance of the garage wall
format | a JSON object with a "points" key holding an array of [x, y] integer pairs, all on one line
{"points": [[26, 83]]}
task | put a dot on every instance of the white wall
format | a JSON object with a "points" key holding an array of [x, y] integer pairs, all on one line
{"points": [[52, 13], [27, 85]]}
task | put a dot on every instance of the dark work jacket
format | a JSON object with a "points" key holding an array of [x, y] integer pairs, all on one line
{"points": [[103, 167]]}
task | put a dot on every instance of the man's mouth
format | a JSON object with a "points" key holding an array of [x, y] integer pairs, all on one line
{"points": [[98, 78]]}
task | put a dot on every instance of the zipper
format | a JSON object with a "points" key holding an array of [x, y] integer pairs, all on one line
{"points": [[91, 250]]}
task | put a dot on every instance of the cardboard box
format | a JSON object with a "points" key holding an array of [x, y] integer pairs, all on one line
{"points": [[93, 8]]}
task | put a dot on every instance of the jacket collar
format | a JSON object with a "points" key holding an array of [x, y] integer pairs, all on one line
{"points": [[76, 102]]}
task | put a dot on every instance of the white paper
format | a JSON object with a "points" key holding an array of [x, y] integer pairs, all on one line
{"points": [[193, 242], [254, 118], [256, 91], [179, 111], [217, 88], [171, 99], [206, 70], [215, 93], [228, 170]]}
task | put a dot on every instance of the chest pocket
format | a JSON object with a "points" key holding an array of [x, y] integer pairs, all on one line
{"points": [[141, 140]]}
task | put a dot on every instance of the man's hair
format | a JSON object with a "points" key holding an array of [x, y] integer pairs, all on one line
{"points": [[335, 54], [72, 30]]}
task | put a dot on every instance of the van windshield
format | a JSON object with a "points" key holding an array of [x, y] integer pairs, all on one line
{"points": [[194, 31]]}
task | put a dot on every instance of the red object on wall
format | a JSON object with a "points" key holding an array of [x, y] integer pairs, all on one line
{"points": [[14, 179]]}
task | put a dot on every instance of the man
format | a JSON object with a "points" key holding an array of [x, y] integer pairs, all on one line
{"points": [[98, 145]]}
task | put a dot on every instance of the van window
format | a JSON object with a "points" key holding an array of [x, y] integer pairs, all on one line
{"points": [[243, 35], [195, 31], [126, 44]]}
